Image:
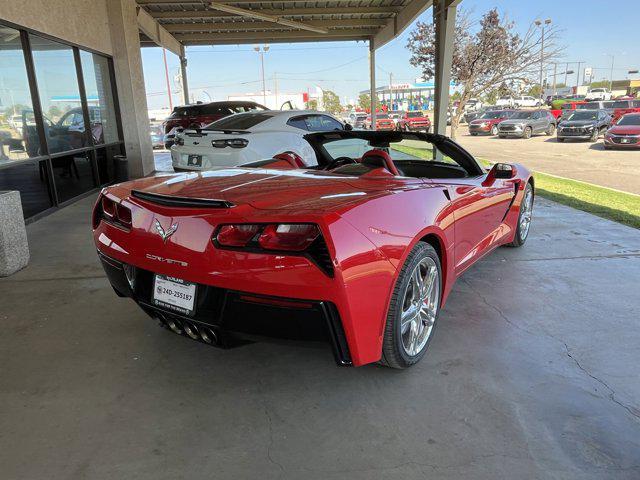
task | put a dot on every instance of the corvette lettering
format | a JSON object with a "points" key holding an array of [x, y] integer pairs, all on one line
{"points": [[170, 261]]}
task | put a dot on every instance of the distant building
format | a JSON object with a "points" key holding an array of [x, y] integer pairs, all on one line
{"points": [[625, 87]]}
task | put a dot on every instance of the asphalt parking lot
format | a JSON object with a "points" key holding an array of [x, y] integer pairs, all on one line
{"points": [[532, 374], [585, 161]]}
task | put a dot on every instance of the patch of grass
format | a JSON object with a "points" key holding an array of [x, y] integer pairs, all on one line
{"points": [[425, 153], [611, 204], [604, 202]]}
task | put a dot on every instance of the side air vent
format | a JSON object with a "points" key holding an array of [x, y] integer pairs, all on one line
{"points": [[319, 252], [182, 202]]}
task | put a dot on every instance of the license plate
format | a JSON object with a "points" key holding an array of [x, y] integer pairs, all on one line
{"points": [[174, 294], [194, 160]]}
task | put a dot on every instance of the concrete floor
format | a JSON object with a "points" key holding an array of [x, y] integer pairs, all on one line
{"points": [[533, 374]]}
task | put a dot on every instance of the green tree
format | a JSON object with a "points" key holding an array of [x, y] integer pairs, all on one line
{"points": [[312, 104], [600, 84], [331, 102], [483, 57], [364, 101], [534, 91], [54, 112]]}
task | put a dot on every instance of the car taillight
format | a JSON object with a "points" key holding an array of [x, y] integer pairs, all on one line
{"points": [[236, 235], [304, 239], [113, 213], [288, 237], [232, 142]]}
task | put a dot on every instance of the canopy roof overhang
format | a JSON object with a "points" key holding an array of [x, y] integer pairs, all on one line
{"points": [[201, 22]]}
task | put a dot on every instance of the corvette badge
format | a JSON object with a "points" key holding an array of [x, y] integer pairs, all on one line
{"points": [[166, 234]]}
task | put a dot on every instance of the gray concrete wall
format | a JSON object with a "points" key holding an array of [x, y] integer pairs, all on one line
{"points": [[127, 61], [83, 22]]}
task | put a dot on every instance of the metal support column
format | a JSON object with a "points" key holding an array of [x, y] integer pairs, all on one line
{"points": [[372, 82], [183, 73], [444, 18]]}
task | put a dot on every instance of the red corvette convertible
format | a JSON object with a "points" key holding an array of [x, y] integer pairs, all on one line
{"points": [[360, 251]]}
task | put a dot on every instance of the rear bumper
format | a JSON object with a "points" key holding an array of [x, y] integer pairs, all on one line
{"points": [[235, 315]]}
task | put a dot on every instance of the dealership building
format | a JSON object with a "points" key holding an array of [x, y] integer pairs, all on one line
{"points": [[65, 64]]}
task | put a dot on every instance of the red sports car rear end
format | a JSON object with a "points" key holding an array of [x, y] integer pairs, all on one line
{"points": [[359, 252]]}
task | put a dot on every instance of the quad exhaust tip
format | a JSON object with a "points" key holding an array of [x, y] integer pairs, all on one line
{"points": [[191, 330], [205, 334], [208, 336]]}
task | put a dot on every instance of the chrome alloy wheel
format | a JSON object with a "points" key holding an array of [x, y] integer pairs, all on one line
{"points": [[526, 213], [420, 306]]}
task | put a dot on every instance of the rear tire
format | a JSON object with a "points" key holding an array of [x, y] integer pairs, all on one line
{"points": [[524, 217], [414, 308], [559, 139], [595, 135], [551, 130]]}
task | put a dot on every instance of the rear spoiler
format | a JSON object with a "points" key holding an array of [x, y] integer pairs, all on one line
{"points": [[182, 202], [197, 132]]}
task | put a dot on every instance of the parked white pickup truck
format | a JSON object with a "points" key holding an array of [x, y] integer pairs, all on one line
{"points": [[598, 94], [506, 101], [526, 101]]}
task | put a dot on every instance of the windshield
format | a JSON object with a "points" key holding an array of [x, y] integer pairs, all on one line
{"points": [[584, 115], [597, 90], [241, 121], [381, 116], [415, 114], [608, 104], [589, 106], [522, 115], [621, 104], [629, 120], [494, 115], [505, 98]]}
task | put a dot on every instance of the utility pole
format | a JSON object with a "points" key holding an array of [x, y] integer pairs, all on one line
{"points": [[166, 76], [390, 91], [566, 75], [542, 25], [613, 60], [555, 72], [275, 86], [578, 76]]}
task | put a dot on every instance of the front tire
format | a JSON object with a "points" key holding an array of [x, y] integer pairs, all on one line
{"points": [[527, 133], [494, 130], [524, 217], [414, 308]]}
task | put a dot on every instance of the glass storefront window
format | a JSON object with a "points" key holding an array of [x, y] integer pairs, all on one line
{"points": [[72, 174], [18, 135], [105, 161], [97, 81], [57, 80], [31, 179]]}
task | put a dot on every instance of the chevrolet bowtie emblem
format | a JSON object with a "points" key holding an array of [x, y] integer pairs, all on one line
{"points": [[166, 234]]}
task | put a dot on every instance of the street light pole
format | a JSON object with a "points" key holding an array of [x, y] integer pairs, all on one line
{"points": [[262, 51], [542, 25]]}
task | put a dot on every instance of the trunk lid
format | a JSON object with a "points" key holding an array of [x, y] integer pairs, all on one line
{"points": [[263, 189]]}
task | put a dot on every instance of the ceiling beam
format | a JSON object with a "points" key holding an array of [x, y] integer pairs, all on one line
{"points": [[267, 18], [289, 12], [401, 21], [203, 2], [288, 36], [156, 32], [247, 26]]}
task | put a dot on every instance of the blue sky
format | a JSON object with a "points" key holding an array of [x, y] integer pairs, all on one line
{"points": [[591, 32]]}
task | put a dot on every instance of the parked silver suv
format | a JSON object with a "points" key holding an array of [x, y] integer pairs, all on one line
{"points": [[525, 123]]}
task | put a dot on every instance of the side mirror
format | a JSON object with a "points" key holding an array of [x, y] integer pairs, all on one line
{"points": [[499, 170], [348, 127]]}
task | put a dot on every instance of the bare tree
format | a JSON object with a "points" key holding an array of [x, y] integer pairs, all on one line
{"points": [[494, 55]]}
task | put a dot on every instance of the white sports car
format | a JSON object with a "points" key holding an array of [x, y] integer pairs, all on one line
{"points": [[249, 137]]}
